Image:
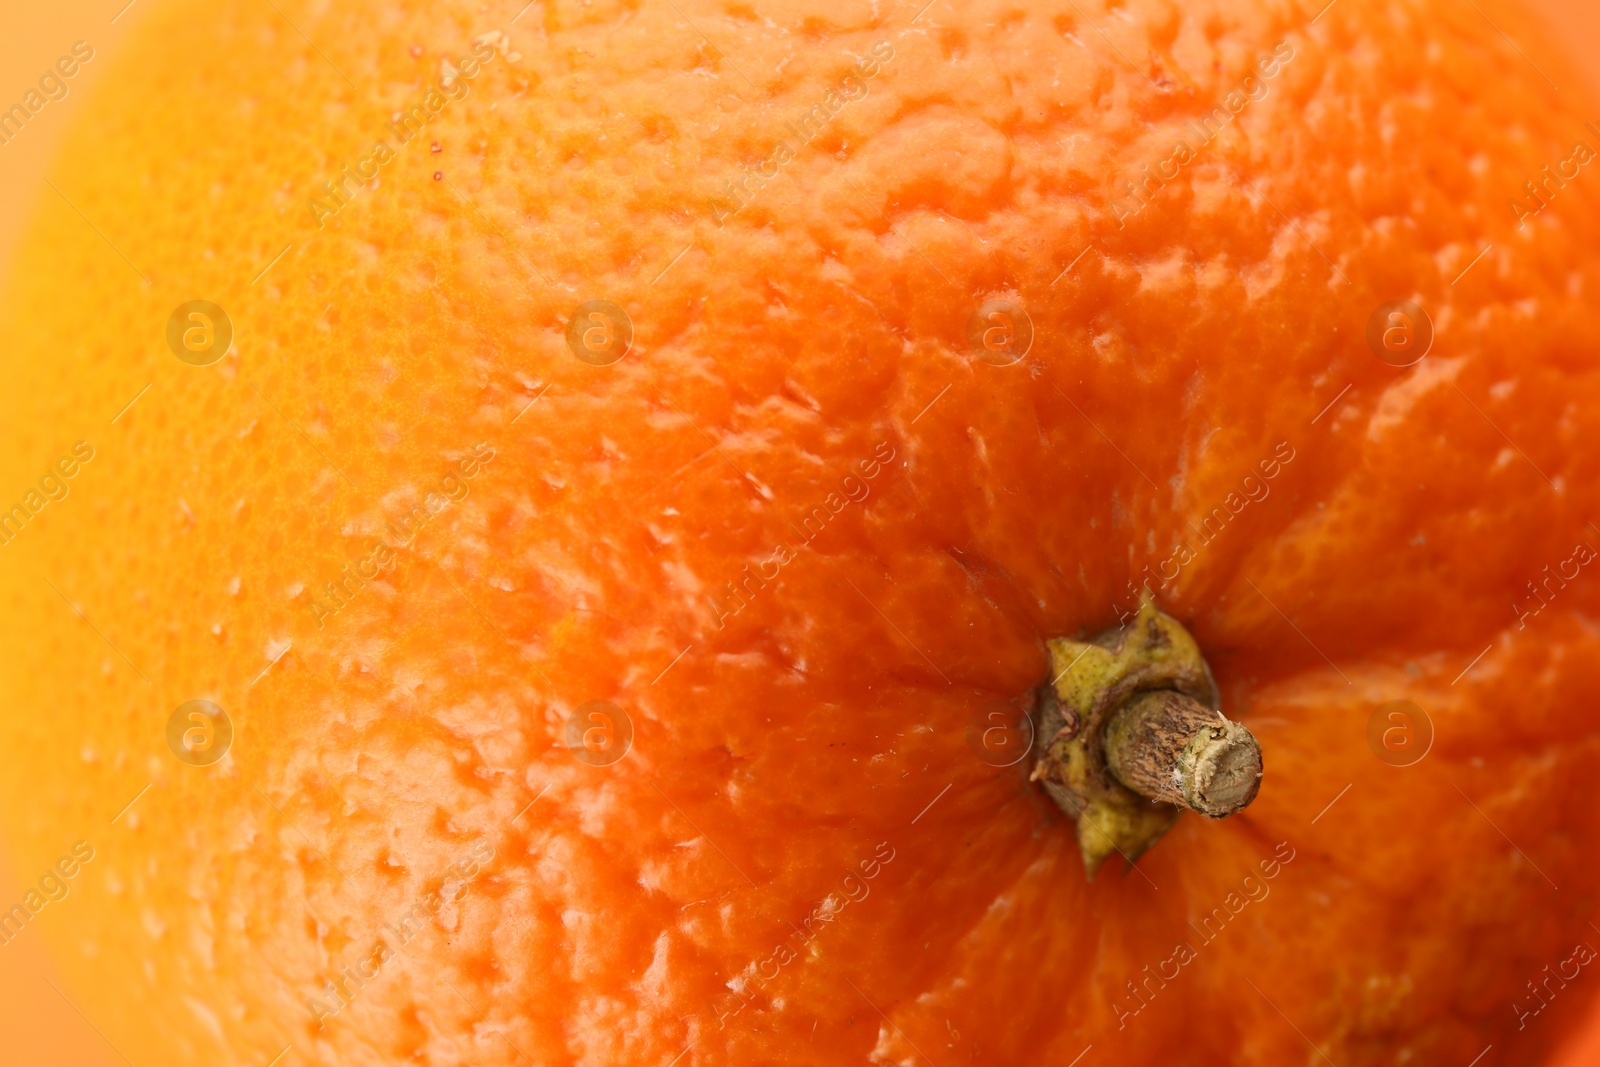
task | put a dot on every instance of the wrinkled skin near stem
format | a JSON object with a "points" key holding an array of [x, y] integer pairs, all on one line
{"points": [[1133, 735]]}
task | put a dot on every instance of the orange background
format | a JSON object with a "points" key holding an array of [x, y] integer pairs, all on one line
{"points": [[37, 1024]]}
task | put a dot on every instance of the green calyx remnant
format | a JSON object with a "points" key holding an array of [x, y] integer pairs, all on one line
{"points": [[1173, 742]]}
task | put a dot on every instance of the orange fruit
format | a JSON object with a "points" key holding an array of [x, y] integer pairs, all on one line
{"points": [[782, 378]]}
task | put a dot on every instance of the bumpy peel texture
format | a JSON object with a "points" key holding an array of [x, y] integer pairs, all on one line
{"points": [[800, 533]]}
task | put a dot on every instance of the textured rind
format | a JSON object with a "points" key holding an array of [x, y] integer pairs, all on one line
{"points": [[772, 354]]}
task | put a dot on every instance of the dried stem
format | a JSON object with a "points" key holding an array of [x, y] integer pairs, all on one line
{"points": [[1171, 747], [1133, 735]]}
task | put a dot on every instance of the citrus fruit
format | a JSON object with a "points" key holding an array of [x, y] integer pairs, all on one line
{"points": [[532, 531]]}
